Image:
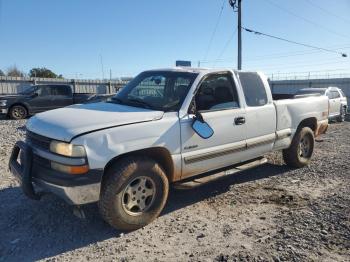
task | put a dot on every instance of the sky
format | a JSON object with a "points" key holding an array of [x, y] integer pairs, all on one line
{"points": [[89, 39]]}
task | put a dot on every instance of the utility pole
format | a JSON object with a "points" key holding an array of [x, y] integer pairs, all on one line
{"points": [[239, 30], [102, 69], [236, 6]]}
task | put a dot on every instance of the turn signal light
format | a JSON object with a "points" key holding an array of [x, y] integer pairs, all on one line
{"points": [[73, 170]]}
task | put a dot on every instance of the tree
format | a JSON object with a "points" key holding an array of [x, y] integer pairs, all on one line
{"points": [[43, 72], [1, 73], [14, 71]]}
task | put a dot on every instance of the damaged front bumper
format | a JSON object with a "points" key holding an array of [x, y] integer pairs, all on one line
{"points": [[33, 171]]}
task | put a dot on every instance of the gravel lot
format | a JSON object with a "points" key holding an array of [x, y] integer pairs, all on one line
{"points": [[270, 213]]}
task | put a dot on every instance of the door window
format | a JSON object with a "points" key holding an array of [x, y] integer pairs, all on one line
{"points": [[217, 92], [44, 91], [253, 88], [61, 90]]}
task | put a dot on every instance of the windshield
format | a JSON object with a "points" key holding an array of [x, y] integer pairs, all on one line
{"points": [[27, 91], [156, 90]]}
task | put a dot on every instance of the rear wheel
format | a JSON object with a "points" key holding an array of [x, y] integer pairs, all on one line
{"points": [[18, 112], [134, 193], [341, 117], [300, 151]]}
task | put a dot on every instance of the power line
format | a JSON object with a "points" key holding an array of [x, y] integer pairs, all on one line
{"points": [[302, 62], [215, 29], [281, 67], [289, 55], [312, 71], [269, 56], [292, 65], [294, 42], [226, 46], [306, 19], [327, 11]]}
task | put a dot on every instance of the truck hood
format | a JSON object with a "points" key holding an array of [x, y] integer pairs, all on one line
{"points": [[10, 97], [66, 123]]}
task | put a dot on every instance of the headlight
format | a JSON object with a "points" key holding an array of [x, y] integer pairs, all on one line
{"points": [[3, 102], [67, 149]]}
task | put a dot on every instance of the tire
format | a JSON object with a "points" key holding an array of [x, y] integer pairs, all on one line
{"points": [[18, 112], [300, 151], [133, 193], [341, 117]]}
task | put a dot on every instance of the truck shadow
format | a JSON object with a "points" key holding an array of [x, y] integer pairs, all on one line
{"points": [[181, 198], [33, 230]]}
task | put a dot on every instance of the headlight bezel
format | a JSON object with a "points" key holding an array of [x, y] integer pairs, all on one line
{"points": [[67, 149]]}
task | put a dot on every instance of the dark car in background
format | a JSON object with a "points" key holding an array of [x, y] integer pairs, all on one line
{"points": [[40, 98]]}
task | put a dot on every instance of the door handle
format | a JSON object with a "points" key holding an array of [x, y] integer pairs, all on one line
{"points": [[240, 120]]}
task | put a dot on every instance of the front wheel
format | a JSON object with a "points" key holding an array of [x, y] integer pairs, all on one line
{"points": [[18, 112], [300, 151], [134, 193]]}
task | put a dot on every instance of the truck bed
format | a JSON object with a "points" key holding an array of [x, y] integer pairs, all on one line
{"points": [[291, 96], [290, 112]]}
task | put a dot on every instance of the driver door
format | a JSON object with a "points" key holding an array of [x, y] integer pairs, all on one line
{"points": [[218, 102], [40, 102]]}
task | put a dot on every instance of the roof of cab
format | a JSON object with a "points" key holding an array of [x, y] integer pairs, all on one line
{"points": [[191, 69]]}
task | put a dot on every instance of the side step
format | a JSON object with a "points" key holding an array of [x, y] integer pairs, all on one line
{"points": [[196, 182]]}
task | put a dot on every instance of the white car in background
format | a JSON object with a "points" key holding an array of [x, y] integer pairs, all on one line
{"points": [[337, 100]]}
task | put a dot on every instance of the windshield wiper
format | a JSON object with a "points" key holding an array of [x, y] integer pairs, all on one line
{"points": [[140, 102], [116, 100]]}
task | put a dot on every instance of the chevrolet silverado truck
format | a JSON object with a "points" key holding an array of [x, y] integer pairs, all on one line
{"points": [[40, 98], [164, 127]]}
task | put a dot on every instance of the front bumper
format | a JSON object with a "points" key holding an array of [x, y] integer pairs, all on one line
{"points": [[3, 111], [31, 167]]}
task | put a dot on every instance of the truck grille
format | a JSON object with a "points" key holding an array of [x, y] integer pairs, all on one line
{"points": [[41, 161], [38, 140]]}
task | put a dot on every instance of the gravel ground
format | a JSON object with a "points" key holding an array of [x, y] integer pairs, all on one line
{"points": [[270, 213]]}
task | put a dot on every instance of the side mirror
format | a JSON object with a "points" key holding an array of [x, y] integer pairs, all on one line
{"points": [[34, 95], [201, 127]]}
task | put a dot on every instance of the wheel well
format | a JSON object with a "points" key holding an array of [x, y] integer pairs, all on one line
{"points": [[160, 155], [309, 122]]}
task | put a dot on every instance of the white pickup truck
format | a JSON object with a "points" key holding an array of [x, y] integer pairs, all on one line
{"points": [[165, 126]]}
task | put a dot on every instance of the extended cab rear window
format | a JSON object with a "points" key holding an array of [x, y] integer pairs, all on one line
{"points": [[253, 88]]}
